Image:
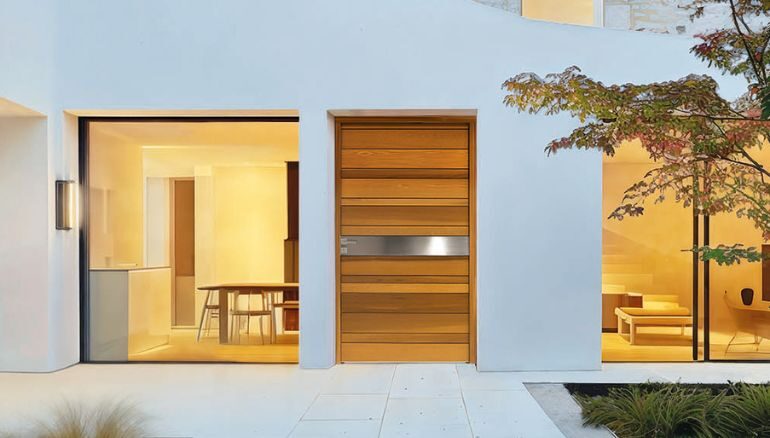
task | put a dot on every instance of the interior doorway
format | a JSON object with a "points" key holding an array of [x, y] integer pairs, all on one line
{"points": [[183, 257], [406, 235]]}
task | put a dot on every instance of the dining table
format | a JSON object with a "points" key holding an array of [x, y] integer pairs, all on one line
{"points": [[226, 289]]}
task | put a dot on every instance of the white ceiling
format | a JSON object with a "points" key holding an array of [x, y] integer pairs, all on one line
{"points": [[175, 149]]}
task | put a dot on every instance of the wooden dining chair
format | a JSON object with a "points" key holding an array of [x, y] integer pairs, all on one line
{"points": [[209, 310], [291, 304], [249, 313]]}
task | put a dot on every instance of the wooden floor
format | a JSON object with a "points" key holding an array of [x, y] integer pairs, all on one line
{"points": [[182, 347], [741, 348], [652, 345], [668, 345]]}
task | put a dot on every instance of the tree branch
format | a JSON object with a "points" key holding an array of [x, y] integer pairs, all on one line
{"points": [[759, 73]]}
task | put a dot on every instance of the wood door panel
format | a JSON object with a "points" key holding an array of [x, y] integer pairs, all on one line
{"points": [[404, 303], [405, 177], [391, 230], [404, 158], [462, 279], [405, 173], [406, 138], [407, 338], [385, 215], [404, 188], [404, 323], [417, 288], [401, 202], [365, 265], [380, 352]]}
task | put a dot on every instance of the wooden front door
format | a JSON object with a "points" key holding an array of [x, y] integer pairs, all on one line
{"points": [[406, 177]]}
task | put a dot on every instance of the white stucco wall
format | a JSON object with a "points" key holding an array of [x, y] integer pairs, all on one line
{"points": [[539, 221]]}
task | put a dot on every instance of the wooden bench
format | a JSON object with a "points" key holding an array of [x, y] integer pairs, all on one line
{"points": [[656, 311]]}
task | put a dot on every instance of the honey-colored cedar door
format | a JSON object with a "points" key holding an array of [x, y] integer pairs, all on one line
{"points": [[406, 177]]}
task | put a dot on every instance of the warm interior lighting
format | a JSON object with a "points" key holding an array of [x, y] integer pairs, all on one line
{"points": [[65, 205], [560, 11]]}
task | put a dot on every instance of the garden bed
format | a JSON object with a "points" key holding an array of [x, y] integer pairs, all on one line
{"points": [[668, 410]]}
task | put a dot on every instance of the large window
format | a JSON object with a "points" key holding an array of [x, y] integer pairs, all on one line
{"points": [[651, 310], [647, 292], [739, 318], [175, 207]]}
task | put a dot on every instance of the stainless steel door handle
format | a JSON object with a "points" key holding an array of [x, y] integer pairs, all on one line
{"points": [[404, 245]]}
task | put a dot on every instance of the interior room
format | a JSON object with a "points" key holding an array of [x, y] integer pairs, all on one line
{"points": [[647, 278], [185, 218], [644, 269], [740, 294]]}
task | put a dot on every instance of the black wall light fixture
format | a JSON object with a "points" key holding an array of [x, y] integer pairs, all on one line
{"points": [[65, 205]]}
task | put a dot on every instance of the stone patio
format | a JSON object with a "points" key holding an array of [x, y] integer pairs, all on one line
{"points": [[220, 400]]}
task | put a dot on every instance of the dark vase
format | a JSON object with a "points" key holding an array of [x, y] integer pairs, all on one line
{"points": [[747, 296]]}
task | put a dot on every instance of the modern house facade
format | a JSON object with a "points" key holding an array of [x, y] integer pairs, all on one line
{"points": [[393, 111]]}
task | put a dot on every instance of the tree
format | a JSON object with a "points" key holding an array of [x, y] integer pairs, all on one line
{"points": [[702, 142]]}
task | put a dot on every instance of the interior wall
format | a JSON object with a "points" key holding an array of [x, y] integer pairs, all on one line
{"points": [[249, 223], [157, 222], [240, 225], [24, 230], [645, 254], [116, 202], [728, 229], [205, 238]]}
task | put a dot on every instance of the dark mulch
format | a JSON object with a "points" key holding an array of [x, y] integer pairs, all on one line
{"points": [[601, 389]]}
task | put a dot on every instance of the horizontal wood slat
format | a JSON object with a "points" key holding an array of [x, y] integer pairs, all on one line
{"points": [[401, 125], [406, 173], [408, 338], [390, 230], [421, 288], [377, 352], [404, 158], [404, 138], [358, 265], [380, 215], [448, 279], [394, 202], [404, 303], [404, 323], [404, 188]]}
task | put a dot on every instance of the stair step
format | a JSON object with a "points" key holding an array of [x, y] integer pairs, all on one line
{"points": [[617, 258], [613, 288], [623, 268], [631, 281]]}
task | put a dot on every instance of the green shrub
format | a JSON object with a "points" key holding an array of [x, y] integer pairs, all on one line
{"points": [[674, 410], [648, 412], [747, 412]]}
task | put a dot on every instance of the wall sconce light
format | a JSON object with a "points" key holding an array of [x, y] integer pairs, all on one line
{"points": [[65, 205]]}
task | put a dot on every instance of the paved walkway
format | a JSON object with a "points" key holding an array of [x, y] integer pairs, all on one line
{"points": [[345, 401]]}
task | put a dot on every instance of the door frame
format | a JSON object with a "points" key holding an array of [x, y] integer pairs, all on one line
{"points": [[470, 121]]}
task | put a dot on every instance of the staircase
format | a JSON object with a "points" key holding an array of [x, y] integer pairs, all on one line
{"points": [[623, 265]]}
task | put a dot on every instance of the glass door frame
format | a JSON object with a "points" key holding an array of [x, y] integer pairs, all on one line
{"points": [[83, 181]]}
